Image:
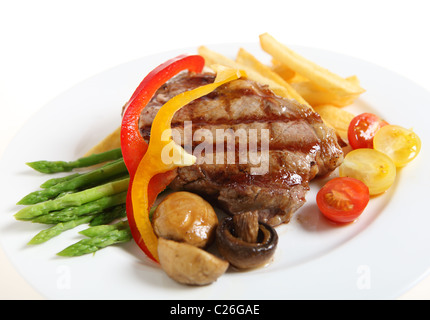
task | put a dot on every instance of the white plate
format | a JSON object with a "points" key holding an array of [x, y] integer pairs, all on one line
{"points": [[380, 256]]}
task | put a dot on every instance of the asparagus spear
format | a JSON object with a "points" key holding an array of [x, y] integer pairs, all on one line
{"points": [[108, 216], [95, 243], [73, 199], [52, 182], [100, 230], [64, 166], [93, 208], [54, 231], [93, 177]]}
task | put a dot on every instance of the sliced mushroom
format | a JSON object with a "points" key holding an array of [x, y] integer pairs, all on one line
{"points": [[243, 254], [185, 217], [188, 264]]}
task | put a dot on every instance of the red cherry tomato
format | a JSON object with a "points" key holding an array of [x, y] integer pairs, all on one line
{"points": [[362, 129], [343, 199]]}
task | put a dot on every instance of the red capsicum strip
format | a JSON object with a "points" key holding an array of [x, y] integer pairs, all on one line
{"points": [[164, 155], [133, 146]]}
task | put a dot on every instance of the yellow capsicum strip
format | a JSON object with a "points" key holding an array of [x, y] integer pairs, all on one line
{"points": [[161, 141]]}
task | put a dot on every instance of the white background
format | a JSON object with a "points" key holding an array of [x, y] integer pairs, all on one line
{"points": [[49, 46]]}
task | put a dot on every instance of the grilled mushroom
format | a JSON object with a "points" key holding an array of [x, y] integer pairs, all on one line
{"points": [[245, 242]]}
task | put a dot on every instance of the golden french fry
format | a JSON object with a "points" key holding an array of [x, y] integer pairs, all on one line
{"points": [[354, 80], [316, 95], [310, 70], [337, 118], [213, 58], [112, 141], [297, 78], [286, 73], [247, 59]]}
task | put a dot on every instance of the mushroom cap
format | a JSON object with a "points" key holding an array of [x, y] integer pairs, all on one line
{"points": [[242, 254], [188, 264], [185, 217]]}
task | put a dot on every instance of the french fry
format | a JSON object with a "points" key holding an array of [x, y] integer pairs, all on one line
{"points": [[337, 118], [286, 73], [310, 70], [215, 58], [316, 95], [297, 78], [112, 141], [245, 58]]}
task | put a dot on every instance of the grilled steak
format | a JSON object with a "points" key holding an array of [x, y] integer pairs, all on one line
{"points": [[300, 146]]}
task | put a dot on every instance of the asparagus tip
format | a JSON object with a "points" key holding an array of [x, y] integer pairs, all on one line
{"points": [[38, 166], [19, 216], [27, 200], [24, 214], [34, 241]]}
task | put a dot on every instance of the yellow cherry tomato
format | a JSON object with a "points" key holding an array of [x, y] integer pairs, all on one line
{"points": [[400, 144], [374, 168]]}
